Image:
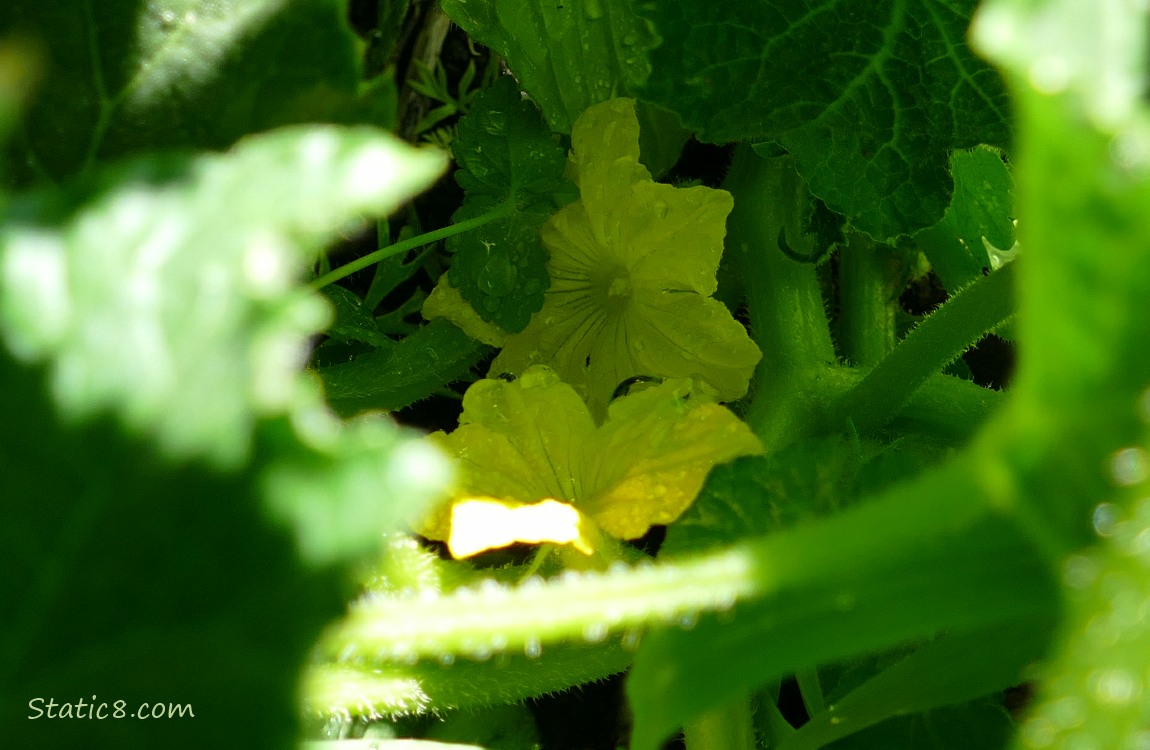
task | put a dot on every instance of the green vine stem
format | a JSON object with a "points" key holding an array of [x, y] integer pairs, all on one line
{"points": [[868, 272], [811, 690], [968, 531], [728, 728], [938, 340], [503, 209], [373, 690], [788, 316]]}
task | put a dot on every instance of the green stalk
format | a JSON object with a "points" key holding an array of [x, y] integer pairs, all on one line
{"points": [[811, 690], [938, 340], [788, 316], [867, 275], [500, 211], [731, 727]]}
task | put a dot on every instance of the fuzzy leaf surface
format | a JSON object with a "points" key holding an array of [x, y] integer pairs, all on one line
{"points": [[191, 263]]}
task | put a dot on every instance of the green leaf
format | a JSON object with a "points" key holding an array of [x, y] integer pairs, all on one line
{"points": [[128, 578], [984, 724], [949, 670], [1084, 188], [916, 561], [982, 207], [802, 481], [353, 321], [870, 100], [391, 378], [168, 295], [567, 54], [507, 157], [123, 77]]}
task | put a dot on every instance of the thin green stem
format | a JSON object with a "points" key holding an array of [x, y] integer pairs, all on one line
{"points": [[811, 690], [938, 340], [867, 275], [500, 211], [730, 727]]}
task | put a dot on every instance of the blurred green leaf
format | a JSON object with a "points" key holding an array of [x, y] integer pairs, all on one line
{"points": [[505, 154], [123, 77], [982, 724], [168, 295], [916, 561], [129, 578], [870, 99], [1084, 192], [950, 670]]}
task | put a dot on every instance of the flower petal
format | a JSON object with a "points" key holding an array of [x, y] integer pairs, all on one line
{"points": [[653, 454], [682, 334], [445, 301], [517, 441]]}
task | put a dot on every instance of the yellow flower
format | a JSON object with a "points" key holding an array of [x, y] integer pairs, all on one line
{"points": [[534, 467], [632, 270]]}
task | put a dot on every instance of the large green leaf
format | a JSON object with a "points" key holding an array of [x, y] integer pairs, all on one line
{"points": [[122, 76], [151, 335], [870, 98], [167, 295]]}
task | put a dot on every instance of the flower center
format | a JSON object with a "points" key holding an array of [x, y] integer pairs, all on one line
{"points": [[614, 290]]}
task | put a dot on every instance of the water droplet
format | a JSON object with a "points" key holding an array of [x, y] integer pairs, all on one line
{"points": [[595, 632], [1105, 519], [1114, 686], [631, 640], [532, 648], [167, 19], [446, 660], [689, 620], [1129, 466]]}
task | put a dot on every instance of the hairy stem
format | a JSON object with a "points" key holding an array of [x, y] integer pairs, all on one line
{"points": [[788, 317], [937, 341], [868, 273], [426, 238]]}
